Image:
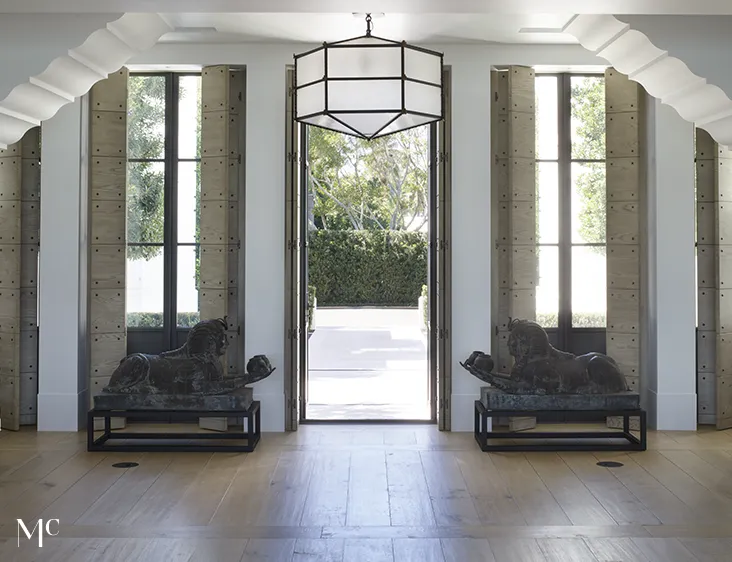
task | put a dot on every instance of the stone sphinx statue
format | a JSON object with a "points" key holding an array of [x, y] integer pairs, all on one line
{"points": [[194, 369], [539, 368]]}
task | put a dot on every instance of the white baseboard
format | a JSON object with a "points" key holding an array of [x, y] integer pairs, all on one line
{"points": [[60, 411], [272, 409], [672, 412], [463, 412]]}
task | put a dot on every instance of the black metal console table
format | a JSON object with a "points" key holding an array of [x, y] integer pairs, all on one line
{"points": [[140, 442], [630, 442]]}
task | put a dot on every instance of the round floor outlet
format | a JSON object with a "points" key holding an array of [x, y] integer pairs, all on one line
{"points": [[610, 464], [125, 465]]}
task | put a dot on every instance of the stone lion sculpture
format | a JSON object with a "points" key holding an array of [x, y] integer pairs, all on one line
{"points": [[539, 368], [193, 369]]}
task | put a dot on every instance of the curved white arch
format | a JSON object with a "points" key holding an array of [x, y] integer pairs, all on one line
{"points": [[72, 75], [663, 76]]}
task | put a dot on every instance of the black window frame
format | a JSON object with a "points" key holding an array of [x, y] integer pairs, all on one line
{"points": [[170, 335], [565, 336]]}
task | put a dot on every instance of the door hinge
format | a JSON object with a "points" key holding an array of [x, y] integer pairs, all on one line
{"points": [[239, 96], [238, 159], [293, 157]]}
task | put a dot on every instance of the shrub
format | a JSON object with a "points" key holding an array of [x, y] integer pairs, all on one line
{"points": [[364, 267], [579, 320], [311, 307], [155, 319], [426, 309]]}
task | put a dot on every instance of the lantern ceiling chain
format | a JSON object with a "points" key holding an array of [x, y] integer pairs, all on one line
{"points": [[369, 25]]}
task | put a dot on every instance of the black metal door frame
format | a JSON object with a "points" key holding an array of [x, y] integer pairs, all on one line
{"points": [[432, 345]]}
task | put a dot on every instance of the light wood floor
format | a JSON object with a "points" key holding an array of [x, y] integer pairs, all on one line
{"points": [[373, 493]]}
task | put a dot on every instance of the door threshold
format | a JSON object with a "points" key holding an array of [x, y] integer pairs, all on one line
{"points": [[367, 422]]}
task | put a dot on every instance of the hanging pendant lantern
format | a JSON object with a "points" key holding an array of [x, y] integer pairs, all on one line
{"points": [[368, 86]]}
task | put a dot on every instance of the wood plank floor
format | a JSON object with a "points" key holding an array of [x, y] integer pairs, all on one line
{"points": [[369, 493]]}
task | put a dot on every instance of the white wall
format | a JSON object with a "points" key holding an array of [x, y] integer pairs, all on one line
{"points": [[471, 237], [62, 365], [669, 377]]}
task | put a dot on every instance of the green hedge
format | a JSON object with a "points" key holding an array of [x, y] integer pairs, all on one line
{"points": [[367, 268], [579, 320], [155, 319]]}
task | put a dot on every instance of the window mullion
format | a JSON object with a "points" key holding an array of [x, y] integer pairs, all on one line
{"points": [[168, 221], [173, 288], [565, 211]]}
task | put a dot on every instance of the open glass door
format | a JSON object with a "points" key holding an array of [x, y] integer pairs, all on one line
{"points": [[294, 291], [440, 266]]}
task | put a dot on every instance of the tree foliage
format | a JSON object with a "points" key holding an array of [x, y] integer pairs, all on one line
{"points": [[145, 180], [369, 185], [588, 143]]}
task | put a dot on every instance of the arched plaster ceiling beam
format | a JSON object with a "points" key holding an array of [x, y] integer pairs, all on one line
{"points": [[72, 75], [665, 77]]}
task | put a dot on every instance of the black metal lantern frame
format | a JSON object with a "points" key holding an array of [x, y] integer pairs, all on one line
{"points": [[368, 86]]}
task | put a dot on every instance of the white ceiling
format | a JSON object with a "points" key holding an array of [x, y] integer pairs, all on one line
{"points": [[680, 7], [419, 28]]}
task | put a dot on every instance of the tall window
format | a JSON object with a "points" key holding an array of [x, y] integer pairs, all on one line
{"points": [[571, 214], [163, 194]]}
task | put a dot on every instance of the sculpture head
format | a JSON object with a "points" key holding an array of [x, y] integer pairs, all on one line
{"points": [[208, 337], [259, 365], [527, 339]]}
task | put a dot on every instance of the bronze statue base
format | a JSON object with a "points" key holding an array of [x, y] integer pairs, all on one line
{"points": [[494, 399], [242, 400]]}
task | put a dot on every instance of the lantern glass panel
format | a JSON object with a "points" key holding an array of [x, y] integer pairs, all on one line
{"points": [[422, 66], [310, 67], [311, 99], [423, 98], [366, 62], [353, 95]]}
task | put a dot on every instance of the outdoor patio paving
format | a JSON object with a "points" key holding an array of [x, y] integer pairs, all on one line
{"points": [[368, 363]]}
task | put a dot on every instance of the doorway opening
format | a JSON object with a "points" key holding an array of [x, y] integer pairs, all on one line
{"points": [[366, 268], [367, 275]]}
